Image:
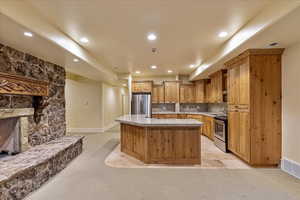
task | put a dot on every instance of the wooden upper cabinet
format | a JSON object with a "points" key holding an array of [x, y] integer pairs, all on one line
{"points": [[171, 91], [158, 94], [239, 83], [244, 82], [218, 86], [200, 91], [142, 86], [234, 86], [187, 93], [154, 94], [208, 91]]}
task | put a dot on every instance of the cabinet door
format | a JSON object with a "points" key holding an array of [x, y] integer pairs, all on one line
{"points": [[218, 87], [187, 94], [213, 89], [182, 94], [200, 91], [161, 94], [233, 131], [233, 86], [244, 136], [171, 92], [191, 94], [210, 127], [155, 94], [208, 95], [244, 83]]}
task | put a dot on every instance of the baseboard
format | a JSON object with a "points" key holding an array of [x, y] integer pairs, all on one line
{"points": [[291, 167], [111, 125], [92, 130], [85, 130]]}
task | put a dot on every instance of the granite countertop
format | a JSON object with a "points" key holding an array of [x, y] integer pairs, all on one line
{"points": [[209, 114], [142, 120]]}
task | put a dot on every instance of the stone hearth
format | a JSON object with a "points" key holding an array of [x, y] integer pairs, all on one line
{"points": [[27, 171]]}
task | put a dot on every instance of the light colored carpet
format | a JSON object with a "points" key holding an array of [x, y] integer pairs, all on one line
{"points": [[88, 178], [211, 158]]}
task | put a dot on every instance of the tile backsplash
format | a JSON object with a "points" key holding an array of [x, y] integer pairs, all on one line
{"points": [[217, 107], [163, 107], [190, 107]]}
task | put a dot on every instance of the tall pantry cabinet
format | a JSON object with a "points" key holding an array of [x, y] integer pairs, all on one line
{"points": [[254, 106]]}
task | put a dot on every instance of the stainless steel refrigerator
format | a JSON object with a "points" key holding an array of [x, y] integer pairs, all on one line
{"points": [[141, 104]]}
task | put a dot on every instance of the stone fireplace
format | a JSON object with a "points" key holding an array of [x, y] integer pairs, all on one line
{"points": [[32, 121], [14, 130]]}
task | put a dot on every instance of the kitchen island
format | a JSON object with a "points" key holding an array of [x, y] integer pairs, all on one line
{"points": [[161, 141]]}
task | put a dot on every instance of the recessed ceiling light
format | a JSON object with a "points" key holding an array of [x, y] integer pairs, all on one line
{"points": [[170, 71], [192, 66], [137, 72], [28, 34], [76, 60], [223, 34], [152, 36], [153, 67], [84, 40]]}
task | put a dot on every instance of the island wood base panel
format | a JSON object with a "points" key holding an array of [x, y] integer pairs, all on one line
{"points": [[162, 145]]}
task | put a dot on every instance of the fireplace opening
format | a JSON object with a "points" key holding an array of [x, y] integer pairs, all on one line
{"points": [[10, 140], [14, 130]]}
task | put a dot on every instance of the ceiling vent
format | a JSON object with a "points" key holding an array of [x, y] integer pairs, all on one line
{"points": [[154, 50]]}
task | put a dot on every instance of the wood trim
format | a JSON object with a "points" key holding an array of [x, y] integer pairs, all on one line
{"points": [[233, 61], [13, 84]]}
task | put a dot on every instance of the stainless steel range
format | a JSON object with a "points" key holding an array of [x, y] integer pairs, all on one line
{"points": [[221, 134]]}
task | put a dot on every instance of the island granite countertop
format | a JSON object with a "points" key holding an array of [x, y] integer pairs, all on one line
{"points": [[142, 120]]}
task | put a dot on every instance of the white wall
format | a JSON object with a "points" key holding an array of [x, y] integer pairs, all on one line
{"points": [[92, 106], [83, 101], [112, 103], [291, 107]]}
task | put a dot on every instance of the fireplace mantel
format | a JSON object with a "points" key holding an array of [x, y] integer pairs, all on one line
{"points": [[13, 84]]}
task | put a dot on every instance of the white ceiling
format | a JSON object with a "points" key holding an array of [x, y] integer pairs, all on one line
{"points": [[285, 32], [11, 34], [187, 30]]}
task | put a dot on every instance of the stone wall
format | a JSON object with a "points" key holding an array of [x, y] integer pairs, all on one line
{"points": [[52, 124]]}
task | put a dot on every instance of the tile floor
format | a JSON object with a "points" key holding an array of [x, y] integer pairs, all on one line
{"points": [[212, 158]]}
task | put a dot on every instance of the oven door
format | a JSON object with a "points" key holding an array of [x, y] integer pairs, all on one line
{"points": [[220, 130]]}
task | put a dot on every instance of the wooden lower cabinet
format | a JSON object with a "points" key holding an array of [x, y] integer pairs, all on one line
{"points": [[162, 145], [165, 116], [208, 127], [239, 134], [244, 146]]}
